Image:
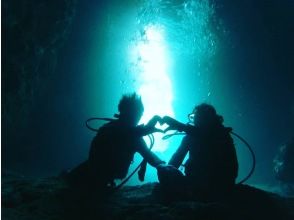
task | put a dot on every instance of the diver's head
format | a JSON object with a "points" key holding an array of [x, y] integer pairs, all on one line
{"points": [[130, 109], [204, 115]]}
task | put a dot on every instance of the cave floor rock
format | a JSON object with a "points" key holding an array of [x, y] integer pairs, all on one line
{"points": [[50, 198]]}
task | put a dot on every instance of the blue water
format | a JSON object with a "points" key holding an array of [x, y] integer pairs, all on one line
{"points": [[236, 55]]}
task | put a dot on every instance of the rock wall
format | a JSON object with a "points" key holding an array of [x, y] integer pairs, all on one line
{"points": [[33, 33]]}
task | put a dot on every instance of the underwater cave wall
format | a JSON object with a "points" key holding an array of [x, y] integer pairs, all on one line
{"points": [[256, 61], [33, 33]]}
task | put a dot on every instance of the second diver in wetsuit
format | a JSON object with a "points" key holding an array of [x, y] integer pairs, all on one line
{"points": [[212, 166]]}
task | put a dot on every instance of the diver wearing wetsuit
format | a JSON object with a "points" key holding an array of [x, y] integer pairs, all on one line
{"points": [[113, 147], [212, 166]]}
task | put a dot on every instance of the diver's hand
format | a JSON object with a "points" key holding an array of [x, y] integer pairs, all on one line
{"points": [[150, 127], [172, 123]]}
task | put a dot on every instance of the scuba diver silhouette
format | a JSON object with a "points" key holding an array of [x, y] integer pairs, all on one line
{"points": [[113, 148], [212, 166]]}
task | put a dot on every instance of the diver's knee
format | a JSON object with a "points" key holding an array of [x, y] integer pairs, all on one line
{"points": [[168, 174]]}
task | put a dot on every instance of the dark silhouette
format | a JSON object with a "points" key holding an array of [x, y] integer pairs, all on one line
{"points": [[212, 166], [113, 147]]}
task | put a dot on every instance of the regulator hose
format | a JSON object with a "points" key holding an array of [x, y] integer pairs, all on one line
{"points": [[141, 165], [96, 119], [142, 171], [252, 155]]}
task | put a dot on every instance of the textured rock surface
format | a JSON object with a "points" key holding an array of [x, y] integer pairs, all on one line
{"points": [[33, 32], [24, 198]]}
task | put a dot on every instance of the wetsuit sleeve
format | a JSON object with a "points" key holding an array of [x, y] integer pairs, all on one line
{"points": [[190, 130], [148, 155], [136, 132], [142, 130], [178, 157]]}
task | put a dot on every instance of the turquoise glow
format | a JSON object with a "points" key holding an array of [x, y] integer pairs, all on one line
{"points": [[154, 85], [160, 49]]}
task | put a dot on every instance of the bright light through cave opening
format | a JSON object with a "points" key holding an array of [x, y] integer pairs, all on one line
{"points": [[150, 55]]}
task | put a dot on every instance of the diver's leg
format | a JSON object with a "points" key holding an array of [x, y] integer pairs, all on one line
{"points": [[172, 182]]}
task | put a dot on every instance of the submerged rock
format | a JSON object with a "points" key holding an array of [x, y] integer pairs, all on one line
{"points": [[24, 198]]}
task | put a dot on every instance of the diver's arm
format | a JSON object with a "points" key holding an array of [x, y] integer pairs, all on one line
{"points": [[176, 125], [191, 130], [138, 131], [149, 128], [143, 130], [147, 154], [178, 157]]}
